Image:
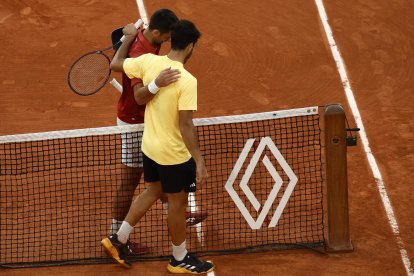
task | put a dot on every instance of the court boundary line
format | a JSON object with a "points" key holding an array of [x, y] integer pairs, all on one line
{"points": [[143, 15], [142, 12], [364, 138]]}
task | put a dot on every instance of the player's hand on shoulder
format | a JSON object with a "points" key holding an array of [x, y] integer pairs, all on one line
{"points": [[130, 30], [167, 76]]}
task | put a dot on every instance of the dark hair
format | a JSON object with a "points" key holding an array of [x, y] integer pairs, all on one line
{"points": [[183, 34], [163, 20]]}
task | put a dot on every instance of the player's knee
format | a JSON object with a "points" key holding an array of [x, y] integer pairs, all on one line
{"points": [[154, 190], [177, 201]]}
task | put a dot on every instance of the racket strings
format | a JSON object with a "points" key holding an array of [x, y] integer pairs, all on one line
{"points": [[89, 73]]}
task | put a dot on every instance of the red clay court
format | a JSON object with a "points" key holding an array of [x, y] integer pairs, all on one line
{"points": [[252, 57]]}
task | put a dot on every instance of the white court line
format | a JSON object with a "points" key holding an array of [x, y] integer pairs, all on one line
{"points": [[142, 11], [371, 159], [143, 16]]}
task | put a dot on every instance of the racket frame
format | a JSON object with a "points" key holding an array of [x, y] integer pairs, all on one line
{"points": [[99, 52], [137, 24]]}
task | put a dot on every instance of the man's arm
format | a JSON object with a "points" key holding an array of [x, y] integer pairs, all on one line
{"points": [[189, 134]]}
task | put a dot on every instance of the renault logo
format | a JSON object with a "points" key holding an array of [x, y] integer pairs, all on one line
{"points": [[265, 142]]}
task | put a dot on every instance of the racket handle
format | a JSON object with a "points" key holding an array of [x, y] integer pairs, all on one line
{"points": [[116, 85], [137, 24]]}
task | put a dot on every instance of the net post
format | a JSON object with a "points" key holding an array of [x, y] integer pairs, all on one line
{"points": [[338, 238]]}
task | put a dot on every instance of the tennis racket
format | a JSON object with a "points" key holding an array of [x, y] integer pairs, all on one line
{"points": [[91, 71]]}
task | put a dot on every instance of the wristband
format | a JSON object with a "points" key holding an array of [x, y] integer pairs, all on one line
{"points": [[153, 88]]}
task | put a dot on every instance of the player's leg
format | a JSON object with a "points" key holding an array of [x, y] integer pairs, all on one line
{"points": [[193, 216], [130, 177], [177, 181], [143, 202], [131, 172], [116, 245], [176, 217]]}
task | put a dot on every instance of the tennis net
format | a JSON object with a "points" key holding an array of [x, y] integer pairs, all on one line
{"points": [[264, 191]]}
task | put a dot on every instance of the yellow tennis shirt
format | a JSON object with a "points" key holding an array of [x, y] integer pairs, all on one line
{"points": [[162, 140]]}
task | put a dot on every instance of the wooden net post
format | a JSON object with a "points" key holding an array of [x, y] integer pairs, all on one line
{"points": [[338, 238]]}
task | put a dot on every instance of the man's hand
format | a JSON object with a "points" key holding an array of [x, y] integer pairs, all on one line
{"points": [[167, 76], [130, 30], [117, 63], [201, 174]]}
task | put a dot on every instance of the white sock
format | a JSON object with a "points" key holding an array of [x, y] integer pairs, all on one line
{"points": [[124, 231], [165, 207], [180, 251], [115, 224]]}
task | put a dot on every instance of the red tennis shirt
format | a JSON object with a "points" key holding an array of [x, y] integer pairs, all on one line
{"points": [[128, 109]]}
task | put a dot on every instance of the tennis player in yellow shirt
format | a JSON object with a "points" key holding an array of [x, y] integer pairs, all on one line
{"points": [[173, 163]]}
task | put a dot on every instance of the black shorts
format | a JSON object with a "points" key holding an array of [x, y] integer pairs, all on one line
{"points": [[174, 178]]}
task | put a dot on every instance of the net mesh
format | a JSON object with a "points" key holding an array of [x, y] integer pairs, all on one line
{"points": [[264, 190]]}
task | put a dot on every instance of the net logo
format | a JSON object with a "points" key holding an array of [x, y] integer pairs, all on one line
{"points": [[262, 210]]}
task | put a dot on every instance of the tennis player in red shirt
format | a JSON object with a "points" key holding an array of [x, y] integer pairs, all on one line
{"points": [[131, 110]]}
